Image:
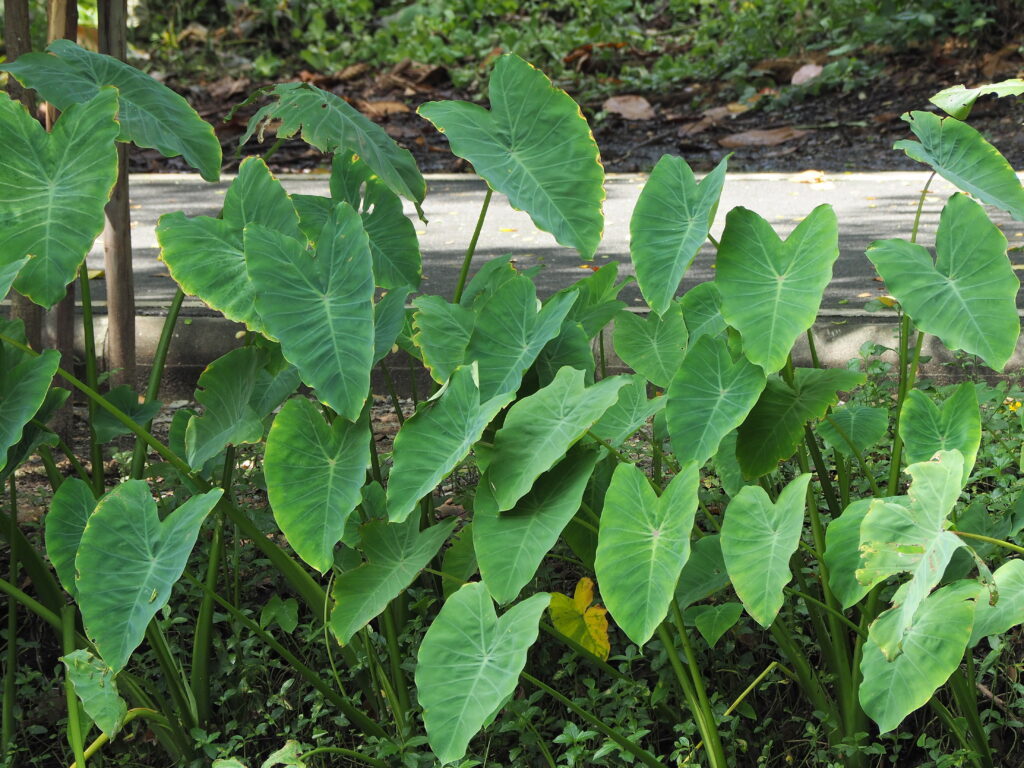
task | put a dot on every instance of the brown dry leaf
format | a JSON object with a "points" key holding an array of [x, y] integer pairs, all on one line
{"points": [[351, 72], [227, 86], [736, 108], [378, 109], [809, 177], [993, 64], [806, 73], [692, 129], [629, 106], [762, 138], [716, 114]]}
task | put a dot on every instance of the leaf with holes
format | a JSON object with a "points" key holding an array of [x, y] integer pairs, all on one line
{"points": [[758, 538], [96, 688], [968, 296], [127, 562], [771, 289], [53, 188], [468, 665], [534, 146], [642, 545], [670, 223]]}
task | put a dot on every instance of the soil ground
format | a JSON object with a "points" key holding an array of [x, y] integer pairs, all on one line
{"points": [[833, 130]]}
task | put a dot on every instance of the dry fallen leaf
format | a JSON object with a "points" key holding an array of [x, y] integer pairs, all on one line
{"points": [[376, 109], [762, 138], [809, 177], [806, 73], [629, 106]]}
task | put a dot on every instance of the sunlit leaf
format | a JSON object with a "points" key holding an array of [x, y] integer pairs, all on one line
{"points": [[958, 99], [927, 428], [578, 619]]}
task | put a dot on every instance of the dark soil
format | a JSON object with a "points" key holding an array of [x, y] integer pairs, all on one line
{"points": [[841, 131]]}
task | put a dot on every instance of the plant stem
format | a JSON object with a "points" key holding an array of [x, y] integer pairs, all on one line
{"points": [[990, 540], [393, 392], [345, 752], [965, 692], [638, 752], [173, 676], [831, 611], [65, 449], [395, 658], [868, 475], [11, 665], [199, 678], [132, 714], [947, 717], [464, 272], [88, 335], [74, 728], [156, 374], [815, 362]]}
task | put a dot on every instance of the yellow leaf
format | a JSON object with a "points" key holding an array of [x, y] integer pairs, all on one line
{"points": [[578, 620]]}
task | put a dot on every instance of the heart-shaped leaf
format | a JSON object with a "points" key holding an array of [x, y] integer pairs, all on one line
{"points": [[1008, 611], [332, 126], [642, 545], [702, 311], [442, 332], [842, 552], [205, 255], [771, 289], [314, 472], [468, 665], [968, 296], [578, 619], [713, 621], [961, 155], [932, 650], [535, 147], [436, 438], [151, 114], [70, 509], [393, 242], [52, 190], [653, 345], [853, 428], [709, 397], [539, 429], [911, 538], [775, 426], [24, 381], [630, 412], [927, 428], [758, 538], [958, 99], [96, 688], [511, 545], [395, 554], [670, 223], [127, 562], [319, 305], [127, 400]]}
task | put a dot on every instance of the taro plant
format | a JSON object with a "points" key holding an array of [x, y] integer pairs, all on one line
{"points": [[763, 495]]}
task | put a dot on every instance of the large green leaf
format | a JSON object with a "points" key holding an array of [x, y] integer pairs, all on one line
{"points": [[535, 147], [205, 255], [598, 299], [911, 538], [927, 428], [127, 400], [511, 545], [1008, 611], [539, 429], [23, 386], [958, 99], [437, 437], [127, 562], [151, 114], [395, 554], [758, 538], [96, 688], [853, 428], [771, 289], [960, 154], [52, 190], [224, 390], [393, 242], [842, 553], [654, 345], [968, 296], [319, 305], [510, 333], [314, 472], [332, 126], [35, 433], [469, 663], [933, 648], [70, 509], [709, 397], [642, 545], [8, 271], [670, 222], [571, 347], [630, 412], [775, 426], [388, 322], [702, 311], [442, 332]]}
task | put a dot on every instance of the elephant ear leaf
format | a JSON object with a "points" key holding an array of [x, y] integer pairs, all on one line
{"points": [[127, 562], [958, 100], [70, 509], [927, 428], [967, 297], [331, 125], [95, 686], [469, 663], [24, 382], [151, 114], [52, 202], [534, 146]]}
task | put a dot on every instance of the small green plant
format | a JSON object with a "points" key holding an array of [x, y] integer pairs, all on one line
{"points": [[761, 510]]}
